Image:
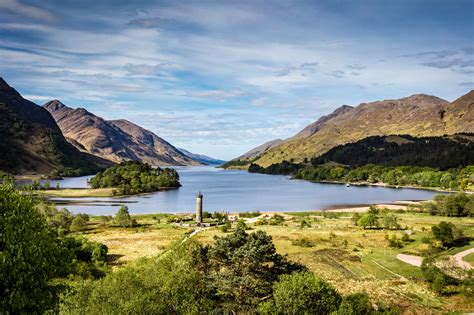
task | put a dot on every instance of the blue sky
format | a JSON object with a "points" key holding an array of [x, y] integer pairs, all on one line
{"points": [[220, 77]]}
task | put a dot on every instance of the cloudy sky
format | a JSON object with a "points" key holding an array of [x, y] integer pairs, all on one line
{"points": [[220, 77]]}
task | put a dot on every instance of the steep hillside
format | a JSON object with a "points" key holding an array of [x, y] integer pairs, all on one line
{"points": [[417, 115], [255, 152], [32, 143], [118, 140], [204, 159], [436, 152], [169, 153]]}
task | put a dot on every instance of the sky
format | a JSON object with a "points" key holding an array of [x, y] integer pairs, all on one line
{"points": [[221, 77]]}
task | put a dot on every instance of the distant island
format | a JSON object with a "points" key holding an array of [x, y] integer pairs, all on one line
{"points": [[133, 177]]}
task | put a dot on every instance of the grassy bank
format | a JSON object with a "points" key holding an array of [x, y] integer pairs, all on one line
{"points": [[349, 257], [79, 192]]}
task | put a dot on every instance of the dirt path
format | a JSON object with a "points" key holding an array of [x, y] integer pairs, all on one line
{"points": [[410, 259], [459, 259], [416, 260]]}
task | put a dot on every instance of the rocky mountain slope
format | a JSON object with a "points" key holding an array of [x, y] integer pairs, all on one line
{"points": [[32, 143], [257, 151], [416, 115], [204, 159], [117, 140]]}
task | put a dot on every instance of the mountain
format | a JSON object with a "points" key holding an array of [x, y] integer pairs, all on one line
{"points": [[204, 159], [116, 140], [255, 152], [311, 129], [416, 115], [32, 143], [402, 150], [169, 153]]}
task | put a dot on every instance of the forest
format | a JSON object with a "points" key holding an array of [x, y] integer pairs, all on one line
{"points": [[134, 177], [436, 152], [455, 178]]}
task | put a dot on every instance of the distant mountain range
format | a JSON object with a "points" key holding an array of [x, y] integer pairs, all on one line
{"points": [[417, 115], [204, 159], [32, 143], [115, 140]]}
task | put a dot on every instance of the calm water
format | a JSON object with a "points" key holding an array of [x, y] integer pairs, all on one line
{"points": [[237, 191]]}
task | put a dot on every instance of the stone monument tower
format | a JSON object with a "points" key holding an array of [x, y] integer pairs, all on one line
{"points": [[199, 209]]}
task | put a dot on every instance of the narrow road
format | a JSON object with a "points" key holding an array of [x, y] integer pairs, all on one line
{"points": [[459, 259], [416, 260], [410, 259]]}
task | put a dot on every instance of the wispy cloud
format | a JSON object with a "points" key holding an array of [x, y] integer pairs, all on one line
{"points": [[247, 71], [19, 8]]}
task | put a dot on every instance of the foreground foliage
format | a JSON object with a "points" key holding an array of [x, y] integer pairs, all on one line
{"points": [[29, 256]]}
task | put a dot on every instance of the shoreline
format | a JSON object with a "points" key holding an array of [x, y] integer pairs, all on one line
{"points": [[441, 190], [360, 208]]}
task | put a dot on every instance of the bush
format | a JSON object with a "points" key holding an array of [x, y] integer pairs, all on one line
{"points": [[305, 223], [225, 228], [303, 293], [276, 219], [355, 304], [241, 225], [302, 242], [78, 224], [123, 219], [395, 242]]}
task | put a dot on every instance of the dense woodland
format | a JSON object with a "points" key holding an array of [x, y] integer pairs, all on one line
{"points": [[437, 152], [456, 178], [134, 177], [438, 162]]}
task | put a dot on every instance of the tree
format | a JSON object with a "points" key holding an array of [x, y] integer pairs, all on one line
{"points": [[303, 293], [370, 219], [390, 222], [122, 217], [244, 266], [446, 232], [29, 256]]}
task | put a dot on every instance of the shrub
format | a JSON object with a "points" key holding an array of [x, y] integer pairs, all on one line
{"points": [[355, 304], [302, 242], [395, 242], [276, 219], [303, 293], [225, 228], [123, 219], [305, 224], [241, 225], [78, 224]]}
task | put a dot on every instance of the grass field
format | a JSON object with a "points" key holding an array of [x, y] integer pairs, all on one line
{"points": [[350, 258], [79, 192]]}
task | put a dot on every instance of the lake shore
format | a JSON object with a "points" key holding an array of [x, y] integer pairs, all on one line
{"points": [[92, 192], [438, 189]]}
